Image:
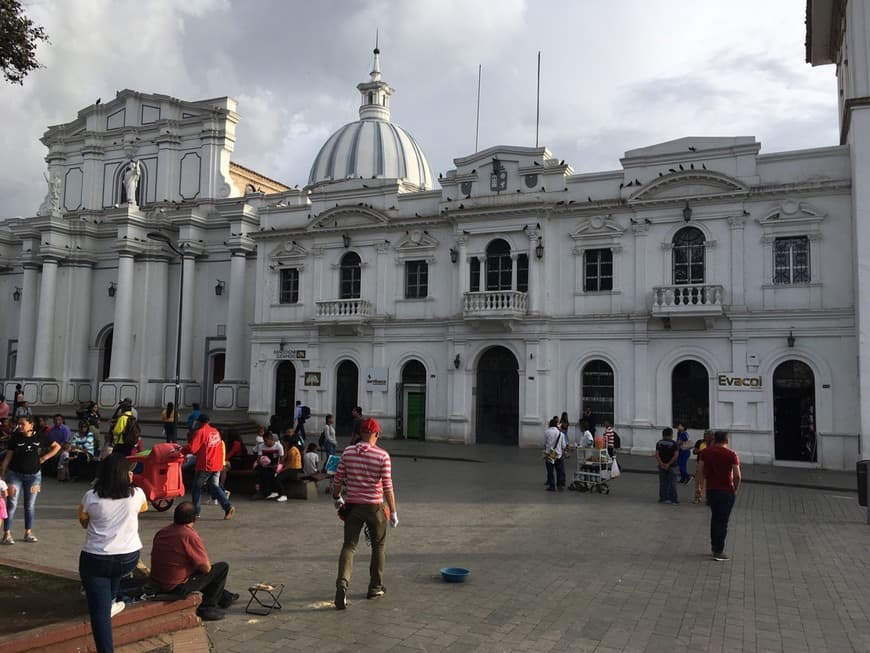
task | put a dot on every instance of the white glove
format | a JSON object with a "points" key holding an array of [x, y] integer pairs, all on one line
{"points": [[338, 502], [394, 519]]}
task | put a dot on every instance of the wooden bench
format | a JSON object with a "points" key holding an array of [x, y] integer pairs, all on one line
{"points": [[243, 480]]}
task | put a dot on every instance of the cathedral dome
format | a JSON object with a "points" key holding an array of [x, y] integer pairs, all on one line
{"points": [[372, 147]]}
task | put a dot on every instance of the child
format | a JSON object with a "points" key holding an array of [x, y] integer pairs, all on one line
{"points": [[268, 455], [63, 462], [311, 460]]}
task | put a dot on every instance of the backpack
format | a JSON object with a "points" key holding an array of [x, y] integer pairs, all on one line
{"points": [[131, 433], [304, 413]]}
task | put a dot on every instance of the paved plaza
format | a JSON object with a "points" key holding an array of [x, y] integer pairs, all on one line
{"points": [[549, 571]]}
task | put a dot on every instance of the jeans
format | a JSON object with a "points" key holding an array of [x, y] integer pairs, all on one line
{"points": [[217, 492], [286, 477], [26, 485], [683, 462], [355, 516], [328, 448], [721, 502], [211, 585], [668, 485], [101, 577], [557, 466]]}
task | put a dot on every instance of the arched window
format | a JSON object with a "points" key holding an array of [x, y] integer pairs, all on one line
{"points": [[498, 266], [597, 392], [350, 276], [688, 251]]}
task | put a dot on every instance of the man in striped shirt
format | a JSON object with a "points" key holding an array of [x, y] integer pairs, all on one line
{"points": [[365, 473]]}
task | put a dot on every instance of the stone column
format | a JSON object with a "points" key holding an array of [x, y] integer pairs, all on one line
{"points": [[79, 326], [27, 322], [235, 370], [737, 224], [642, 288], [42, 358], [536, 271], [187, 318], [122, 329]]}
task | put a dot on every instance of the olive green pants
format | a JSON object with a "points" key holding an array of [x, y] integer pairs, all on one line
{"points": [[357, 515]]}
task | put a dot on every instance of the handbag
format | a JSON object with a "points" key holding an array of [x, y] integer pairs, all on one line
{"points": [[614, 469], [550, 455]]}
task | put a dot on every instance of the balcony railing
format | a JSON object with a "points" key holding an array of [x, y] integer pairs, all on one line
{"points": [[344, 310], [495, 304], [687, 299]]}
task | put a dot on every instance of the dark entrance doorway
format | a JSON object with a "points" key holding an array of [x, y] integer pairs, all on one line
{"points": [[106, 355], [285, 391], [346, 388], [690, 395], [498, 398], [794, 412]]}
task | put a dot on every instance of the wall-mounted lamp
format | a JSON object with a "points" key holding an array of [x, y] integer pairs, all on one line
{"points": [[687, 212], [219, 288], [539, 250], [113, 288], [790, 339], [457, 362], [16, 294], [454, 255], [346, 240]]}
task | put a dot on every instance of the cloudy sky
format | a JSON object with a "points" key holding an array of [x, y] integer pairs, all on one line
{"points": [[616, 75]]}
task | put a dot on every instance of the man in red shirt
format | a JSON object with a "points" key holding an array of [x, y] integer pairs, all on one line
{"points": [[208, 447], [180, 565], [721, 469], [365, 471]]}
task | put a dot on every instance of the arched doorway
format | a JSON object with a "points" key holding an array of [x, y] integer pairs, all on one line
{"points": [[498, 398], [346, 396], [104, 344], [411, 400], [285, 391], [794, 412], [216, 362], [690, 395], [597, 392]]}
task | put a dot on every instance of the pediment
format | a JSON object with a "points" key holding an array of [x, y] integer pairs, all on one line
{"points": [[689, 184], [347, 217], [598, 226], [416, 240], [288, 251], [791, 212]]}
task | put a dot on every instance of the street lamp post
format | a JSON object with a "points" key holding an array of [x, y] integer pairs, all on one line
{"points": [[163, 238]]}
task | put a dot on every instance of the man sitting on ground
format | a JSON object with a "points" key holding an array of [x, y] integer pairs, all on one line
{"points": [[180, 565]]}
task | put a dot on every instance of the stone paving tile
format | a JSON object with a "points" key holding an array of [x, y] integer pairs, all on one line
{"points": [[550, 571]]}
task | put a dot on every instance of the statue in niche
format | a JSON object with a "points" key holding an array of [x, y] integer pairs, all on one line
{"points": [[51, 203], [131, 181]]}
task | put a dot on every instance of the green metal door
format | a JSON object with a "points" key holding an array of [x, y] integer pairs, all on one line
{"points": [[416, 418]]}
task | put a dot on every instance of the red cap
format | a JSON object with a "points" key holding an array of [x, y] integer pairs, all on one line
{"points": [[370, 425]]}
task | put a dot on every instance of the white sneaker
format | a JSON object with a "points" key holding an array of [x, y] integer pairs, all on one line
{"points": [[228, 493], [213, 502], [118, 607], [282, 498], [274, 495]]}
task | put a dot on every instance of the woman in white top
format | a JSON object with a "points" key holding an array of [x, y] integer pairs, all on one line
{"points": [[110, 513], [327, 439]]}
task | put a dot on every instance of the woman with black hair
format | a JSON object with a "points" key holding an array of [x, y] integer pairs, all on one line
{"points": [[110, 513]]}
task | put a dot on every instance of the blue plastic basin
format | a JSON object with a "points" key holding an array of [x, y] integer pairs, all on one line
{"points": [[454, 574]]}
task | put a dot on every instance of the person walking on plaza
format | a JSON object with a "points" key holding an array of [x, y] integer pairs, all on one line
{"points": [[721, 468], [110, 513], [554, 448], [208, 447], [123, 414], [22, 469], [685, 453], [357, 417], [700, 445], [365, 476], [167, 416], [328, 443], [180, 565], [666, 457]]}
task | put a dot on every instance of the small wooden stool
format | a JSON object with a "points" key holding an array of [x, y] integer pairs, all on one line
{"points": [[264, 605]]}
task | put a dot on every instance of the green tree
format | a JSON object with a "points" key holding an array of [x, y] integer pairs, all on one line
{"points": [[19, 37]]}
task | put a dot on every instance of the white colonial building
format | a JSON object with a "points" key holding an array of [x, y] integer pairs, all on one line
{"points": [[701, 282]]}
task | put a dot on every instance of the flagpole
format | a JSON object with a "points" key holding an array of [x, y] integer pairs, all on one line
{"points": [[477, 120], [538, 102]]}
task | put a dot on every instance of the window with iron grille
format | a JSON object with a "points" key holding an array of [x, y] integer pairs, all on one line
{"points": [[688, 250], [474, 275], [289, 293], [351, 276], [791, 260], [598, 266], [598, 390], [416, 279]]}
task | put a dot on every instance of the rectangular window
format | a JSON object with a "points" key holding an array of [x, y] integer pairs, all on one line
{"points": [[791, 260], [416, 279], [523, 273], [289, 292], [474, 275], [598, 266]]}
